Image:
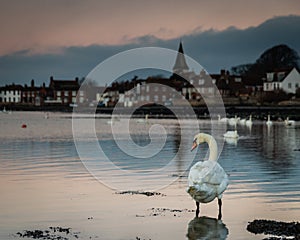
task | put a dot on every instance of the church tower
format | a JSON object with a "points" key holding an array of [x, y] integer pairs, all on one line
{"points": [[180, 65]]}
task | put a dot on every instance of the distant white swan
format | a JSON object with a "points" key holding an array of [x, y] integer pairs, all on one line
{"points": [[288, 122], [242, 121], [223, 120], [233, 121], [207, 179], [269, 122], [231, 134], [141, 120], [249, 121]]}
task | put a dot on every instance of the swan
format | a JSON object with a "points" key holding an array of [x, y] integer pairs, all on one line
{"points": [[242, 121], [269, 122], [141, 120], [231, 134], [207, 180], [224, 120], [249, 122], [288, 122], [233, 121]]}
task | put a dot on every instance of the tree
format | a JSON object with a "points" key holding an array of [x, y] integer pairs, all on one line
{"points": [[277, 57]]}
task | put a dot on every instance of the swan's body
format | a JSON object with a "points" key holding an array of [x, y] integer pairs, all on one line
{"points": [[289, 122], [242, 121], [141, 120], [249, 122], [233, 121], [269, 122], [223, 120], [231, 134], [207, 179]]}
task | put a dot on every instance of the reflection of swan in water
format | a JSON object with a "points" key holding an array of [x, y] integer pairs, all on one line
{"points": [[207, 179], [206, 228]]}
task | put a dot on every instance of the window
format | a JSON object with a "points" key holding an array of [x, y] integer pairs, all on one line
{"points": [[201, 81], [289, 85], [58, 93], [296, 85]]}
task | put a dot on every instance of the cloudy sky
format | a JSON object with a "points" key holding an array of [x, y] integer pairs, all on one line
{"points": [[67, 38]]}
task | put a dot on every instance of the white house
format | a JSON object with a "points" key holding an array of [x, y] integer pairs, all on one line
{"points": [[288, 81], [10, 94]]}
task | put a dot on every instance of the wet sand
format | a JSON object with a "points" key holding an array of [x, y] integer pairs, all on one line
{"points": [[96, 212]]}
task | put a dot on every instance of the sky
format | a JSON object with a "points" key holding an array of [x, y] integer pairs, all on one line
{"points": [[67, 38]]}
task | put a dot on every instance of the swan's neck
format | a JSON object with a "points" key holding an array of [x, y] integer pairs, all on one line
{"points": [[213, 148]]}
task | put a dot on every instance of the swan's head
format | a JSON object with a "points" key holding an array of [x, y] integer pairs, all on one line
{"points": [[198, 139]]}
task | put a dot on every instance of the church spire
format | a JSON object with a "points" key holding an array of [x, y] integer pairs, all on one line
{"points": [[180, 63]]}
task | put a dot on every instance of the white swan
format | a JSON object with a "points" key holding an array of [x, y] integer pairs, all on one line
{"points": [[141, 120], [249, 122], [242, 121], [231, 134], [269, 122], [233, 121], [288, 122], [207, 179], [223, 120]]}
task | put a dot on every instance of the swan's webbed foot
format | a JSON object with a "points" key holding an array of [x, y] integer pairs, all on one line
{"points": [[198, 209], [220, 209]]}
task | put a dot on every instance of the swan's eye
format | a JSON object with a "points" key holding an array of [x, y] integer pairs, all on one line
{"points": [[195, 141]]}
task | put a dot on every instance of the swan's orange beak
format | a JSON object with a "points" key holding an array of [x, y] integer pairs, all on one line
{"points": [[194, 146]]}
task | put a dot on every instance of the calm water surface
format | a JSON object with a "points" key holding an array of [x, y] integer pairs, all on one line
{"points": [[44, 183]]}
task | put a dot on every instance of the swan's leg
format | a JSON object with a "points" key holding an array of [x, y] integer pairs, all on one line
{"points": [[198, 209], [220, 208]]}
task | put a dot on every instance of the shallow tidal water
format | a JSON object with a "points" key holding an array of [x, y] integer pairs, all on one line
{"points": [[44, 182]]}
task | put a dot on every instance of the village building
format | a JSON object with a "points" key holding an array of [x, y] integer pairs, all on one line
{"points": [[64, 92], [286, 80], [33, 95], [11, 93]]}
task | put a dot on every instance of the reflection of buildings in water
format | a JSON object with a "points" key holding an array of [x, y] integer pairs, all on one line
{"points": [[180, 147], [182, 138], [277, 146], [206, 228]]}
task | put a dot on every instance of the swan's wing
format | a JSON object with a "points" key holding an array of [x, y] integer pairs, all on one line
{"points": [[207, 180], [207, 172]]}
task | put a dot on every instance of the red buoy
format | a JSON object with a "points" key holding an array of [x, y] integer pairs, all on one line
{"points": [[24, 126]]}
